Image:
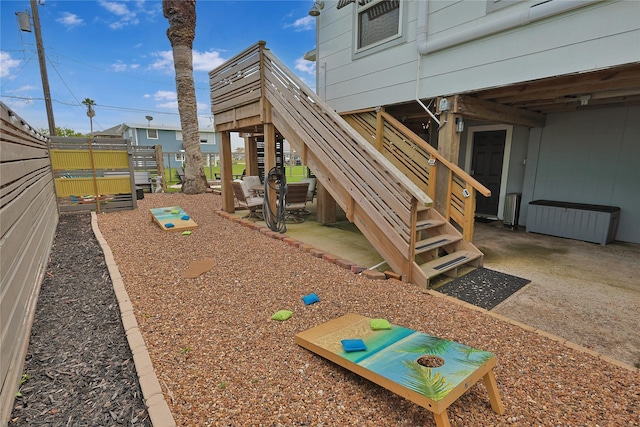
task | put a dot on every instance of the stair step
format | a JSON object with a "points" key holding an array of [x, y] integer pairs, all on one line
{"points": [[440, 265], [436, 242], [429, 223]]}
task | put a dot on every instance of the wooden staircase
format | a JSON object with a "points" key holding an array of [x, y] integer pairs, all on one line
{"points": [[391, 209]]}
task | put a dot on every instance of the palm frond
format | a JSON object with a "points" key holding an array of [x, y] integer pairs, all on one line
{"points": [[424, 381]]}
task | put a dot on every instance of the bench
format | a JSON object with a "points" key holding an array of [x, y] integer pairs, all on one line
{"points": [[180, 174], [399, 358], [140, 178], [143, 179], [580, 221]]}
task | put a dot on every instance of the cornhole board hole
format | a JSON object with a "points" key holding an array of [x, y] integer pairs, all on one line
{"points": [[172, 215], [429, 371]]}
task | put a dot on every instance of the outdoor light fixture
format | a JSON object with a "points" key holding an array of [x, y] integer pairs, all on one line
{"points": [[459, 124], [316, 8]]}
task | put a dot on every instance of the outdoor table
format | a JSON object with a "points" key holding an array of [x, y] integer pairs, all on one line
{"points": [[394, 360]]}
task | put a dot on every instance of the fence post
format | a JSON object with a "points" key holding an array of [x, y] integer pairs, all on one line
{"points": [[160, 166]]}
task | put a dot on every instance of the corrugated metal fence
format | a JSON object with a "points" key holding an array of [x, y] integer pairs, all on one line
{"points": [[93, 174]]}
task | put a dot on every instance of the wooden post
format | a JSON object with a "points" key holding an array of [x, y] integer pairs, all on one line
{"points": [[251, 155], [95, 179], [160, 166], [380, 130], [326, 209], [270, 159], [449, 147], [226, 172]]}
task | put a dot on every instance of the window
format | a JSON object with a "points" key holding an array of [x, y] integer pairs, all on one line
{"points": [[178, 135], [180, 157], [378, 21], [152, 133]]}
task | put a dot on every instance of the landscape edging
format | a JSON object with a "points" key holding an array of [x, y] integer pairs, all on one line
{"points": [[157, 406]]}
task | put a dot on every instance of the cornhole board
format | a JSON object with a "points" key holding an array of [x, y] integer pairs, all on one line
{"points": [[163, 216], [391, 361]]}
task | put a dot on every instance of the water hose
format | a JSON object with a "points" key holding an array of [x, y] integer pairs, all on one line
{"points": [[276, 181]]}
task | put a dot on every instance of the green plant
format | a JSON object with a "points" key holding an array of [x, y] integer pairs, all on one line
{"points": [[185, 350], [222, 385]]}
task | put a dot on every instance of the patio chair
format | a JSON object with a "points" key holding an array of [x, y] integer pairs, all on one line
{"points": [[246, 200], [253, 184], [296, 201], [311, 192]]}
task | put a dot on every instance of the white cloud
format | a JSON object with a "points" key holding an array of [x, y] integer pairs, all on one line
{"points": [[303, 24], [164, 61], [70, 20], [206, 61], [123, 15], [165, 95], [7, 63], [202, 61], [305, 66], [119, 67], [26, 88]]}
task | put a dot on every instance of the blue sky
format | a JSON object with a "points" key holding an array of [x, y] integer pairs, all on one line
{"points": [[117, 53]]}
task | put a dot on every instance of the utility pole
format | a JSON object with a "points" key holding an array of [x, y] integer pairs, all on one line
{"points": [[43, 68]]}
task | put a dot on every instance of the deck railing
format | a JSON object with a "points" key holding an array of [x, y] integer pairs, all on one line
{"points": [[376, 196], [420, 161]]}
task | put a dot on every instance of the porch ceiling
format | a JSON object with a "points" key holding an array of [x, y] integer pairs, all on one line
{"points": [[618, 86]]}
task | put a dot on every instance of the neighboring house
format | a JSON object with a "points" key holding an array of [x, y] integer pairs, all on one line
{"points": [[539, 98], [169, 137]]}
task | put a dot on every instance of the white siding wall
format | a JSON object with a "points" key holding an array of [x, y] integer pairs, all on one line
{"points": [[592, 37]]}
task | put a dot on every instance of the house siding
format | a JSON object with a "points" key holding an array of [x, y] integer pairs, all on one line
{"points": [[590, 157], [537, 50]]}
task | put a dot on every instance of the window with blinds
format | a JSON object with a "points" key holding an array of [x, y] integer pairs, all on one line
{"points": [[378, 21]]}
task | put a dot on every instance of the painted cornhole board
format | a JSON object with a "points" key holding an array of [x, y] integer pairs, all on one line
{"points": [[163, 216], [391, 362]]}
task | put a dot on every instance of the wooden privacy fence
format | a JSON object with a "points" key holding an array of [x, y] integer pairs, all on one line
{"points": [[93, 174], [28, 220]]}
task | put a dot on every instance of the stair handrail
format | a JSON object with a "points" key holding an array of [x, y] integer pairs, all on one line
{"points": [[428, 148], [414, 190], [439, 157]]}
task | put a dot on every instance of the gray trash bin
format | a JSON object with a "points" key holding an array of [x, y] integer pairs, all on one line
{"points": [[512, 210]]}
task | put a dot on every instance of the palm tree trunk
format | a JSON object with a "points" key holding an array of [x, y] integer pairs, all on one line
{"points": [[182, 22]]}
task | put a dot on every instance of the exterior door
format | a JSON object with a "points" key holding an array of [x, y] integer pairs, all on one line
{"points": [[486, 167]]}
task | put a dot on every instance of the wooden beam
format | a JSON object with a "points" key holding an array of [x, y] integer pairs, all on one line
{"points": [[270, 158], [251, 155], [479, 109], [226, 173]]}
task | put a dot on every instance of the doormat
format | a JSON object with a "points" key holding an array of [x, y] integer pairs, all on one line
{"points": [[483, 287]]}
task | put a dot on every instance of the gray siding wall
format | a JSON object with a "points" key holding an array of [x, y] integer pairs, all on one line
{"points": [[28, 220], [592, 156], [571, 42]]}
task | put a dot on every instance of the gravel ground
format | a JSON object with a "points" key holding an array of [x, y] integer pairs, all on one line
{"points": [[222, 362]]}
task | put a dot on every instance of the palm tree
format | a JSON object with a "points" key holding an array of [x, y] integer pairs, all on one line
{"points": [[182, 30]]}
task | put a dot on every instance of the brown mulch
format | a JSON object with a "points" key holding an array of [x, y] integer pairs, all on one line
{"points": [[79, 370], [221, 361]]}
